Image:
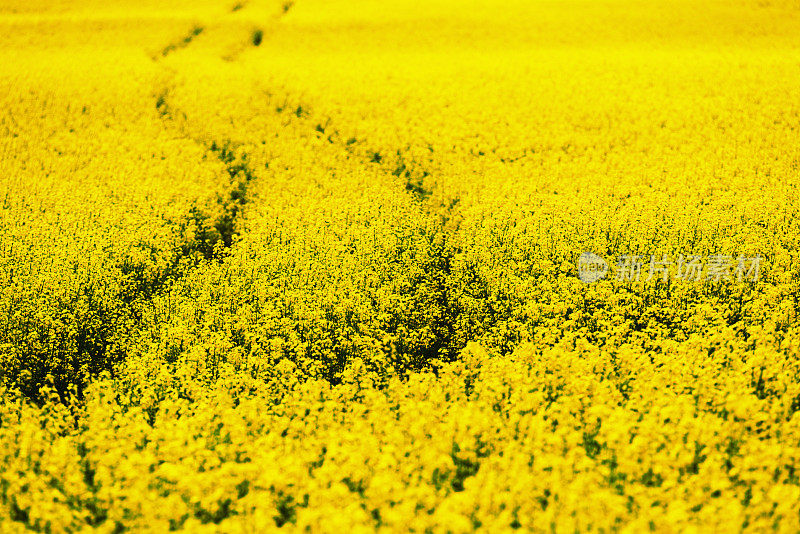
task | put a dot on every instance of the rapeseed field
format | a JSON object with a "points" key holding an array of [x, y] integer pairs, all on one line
{"points": [[356, 266]]}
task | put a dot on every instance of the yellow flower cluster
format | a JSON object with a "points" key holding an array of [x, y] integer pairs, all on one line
{"points": [[312, 265], [561, 439]]}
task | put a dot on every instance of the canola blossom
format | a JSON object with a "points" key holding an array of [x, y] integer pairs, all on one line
{"points": [[325, 266]]}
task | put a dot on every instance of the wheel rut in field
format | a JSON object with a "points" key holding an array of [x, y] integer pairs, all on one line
{"points": [[445, 277]]}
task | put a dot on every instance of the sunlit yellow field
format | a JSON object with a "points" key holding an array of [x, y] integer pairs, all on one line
{"points": [[353, 266]]}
